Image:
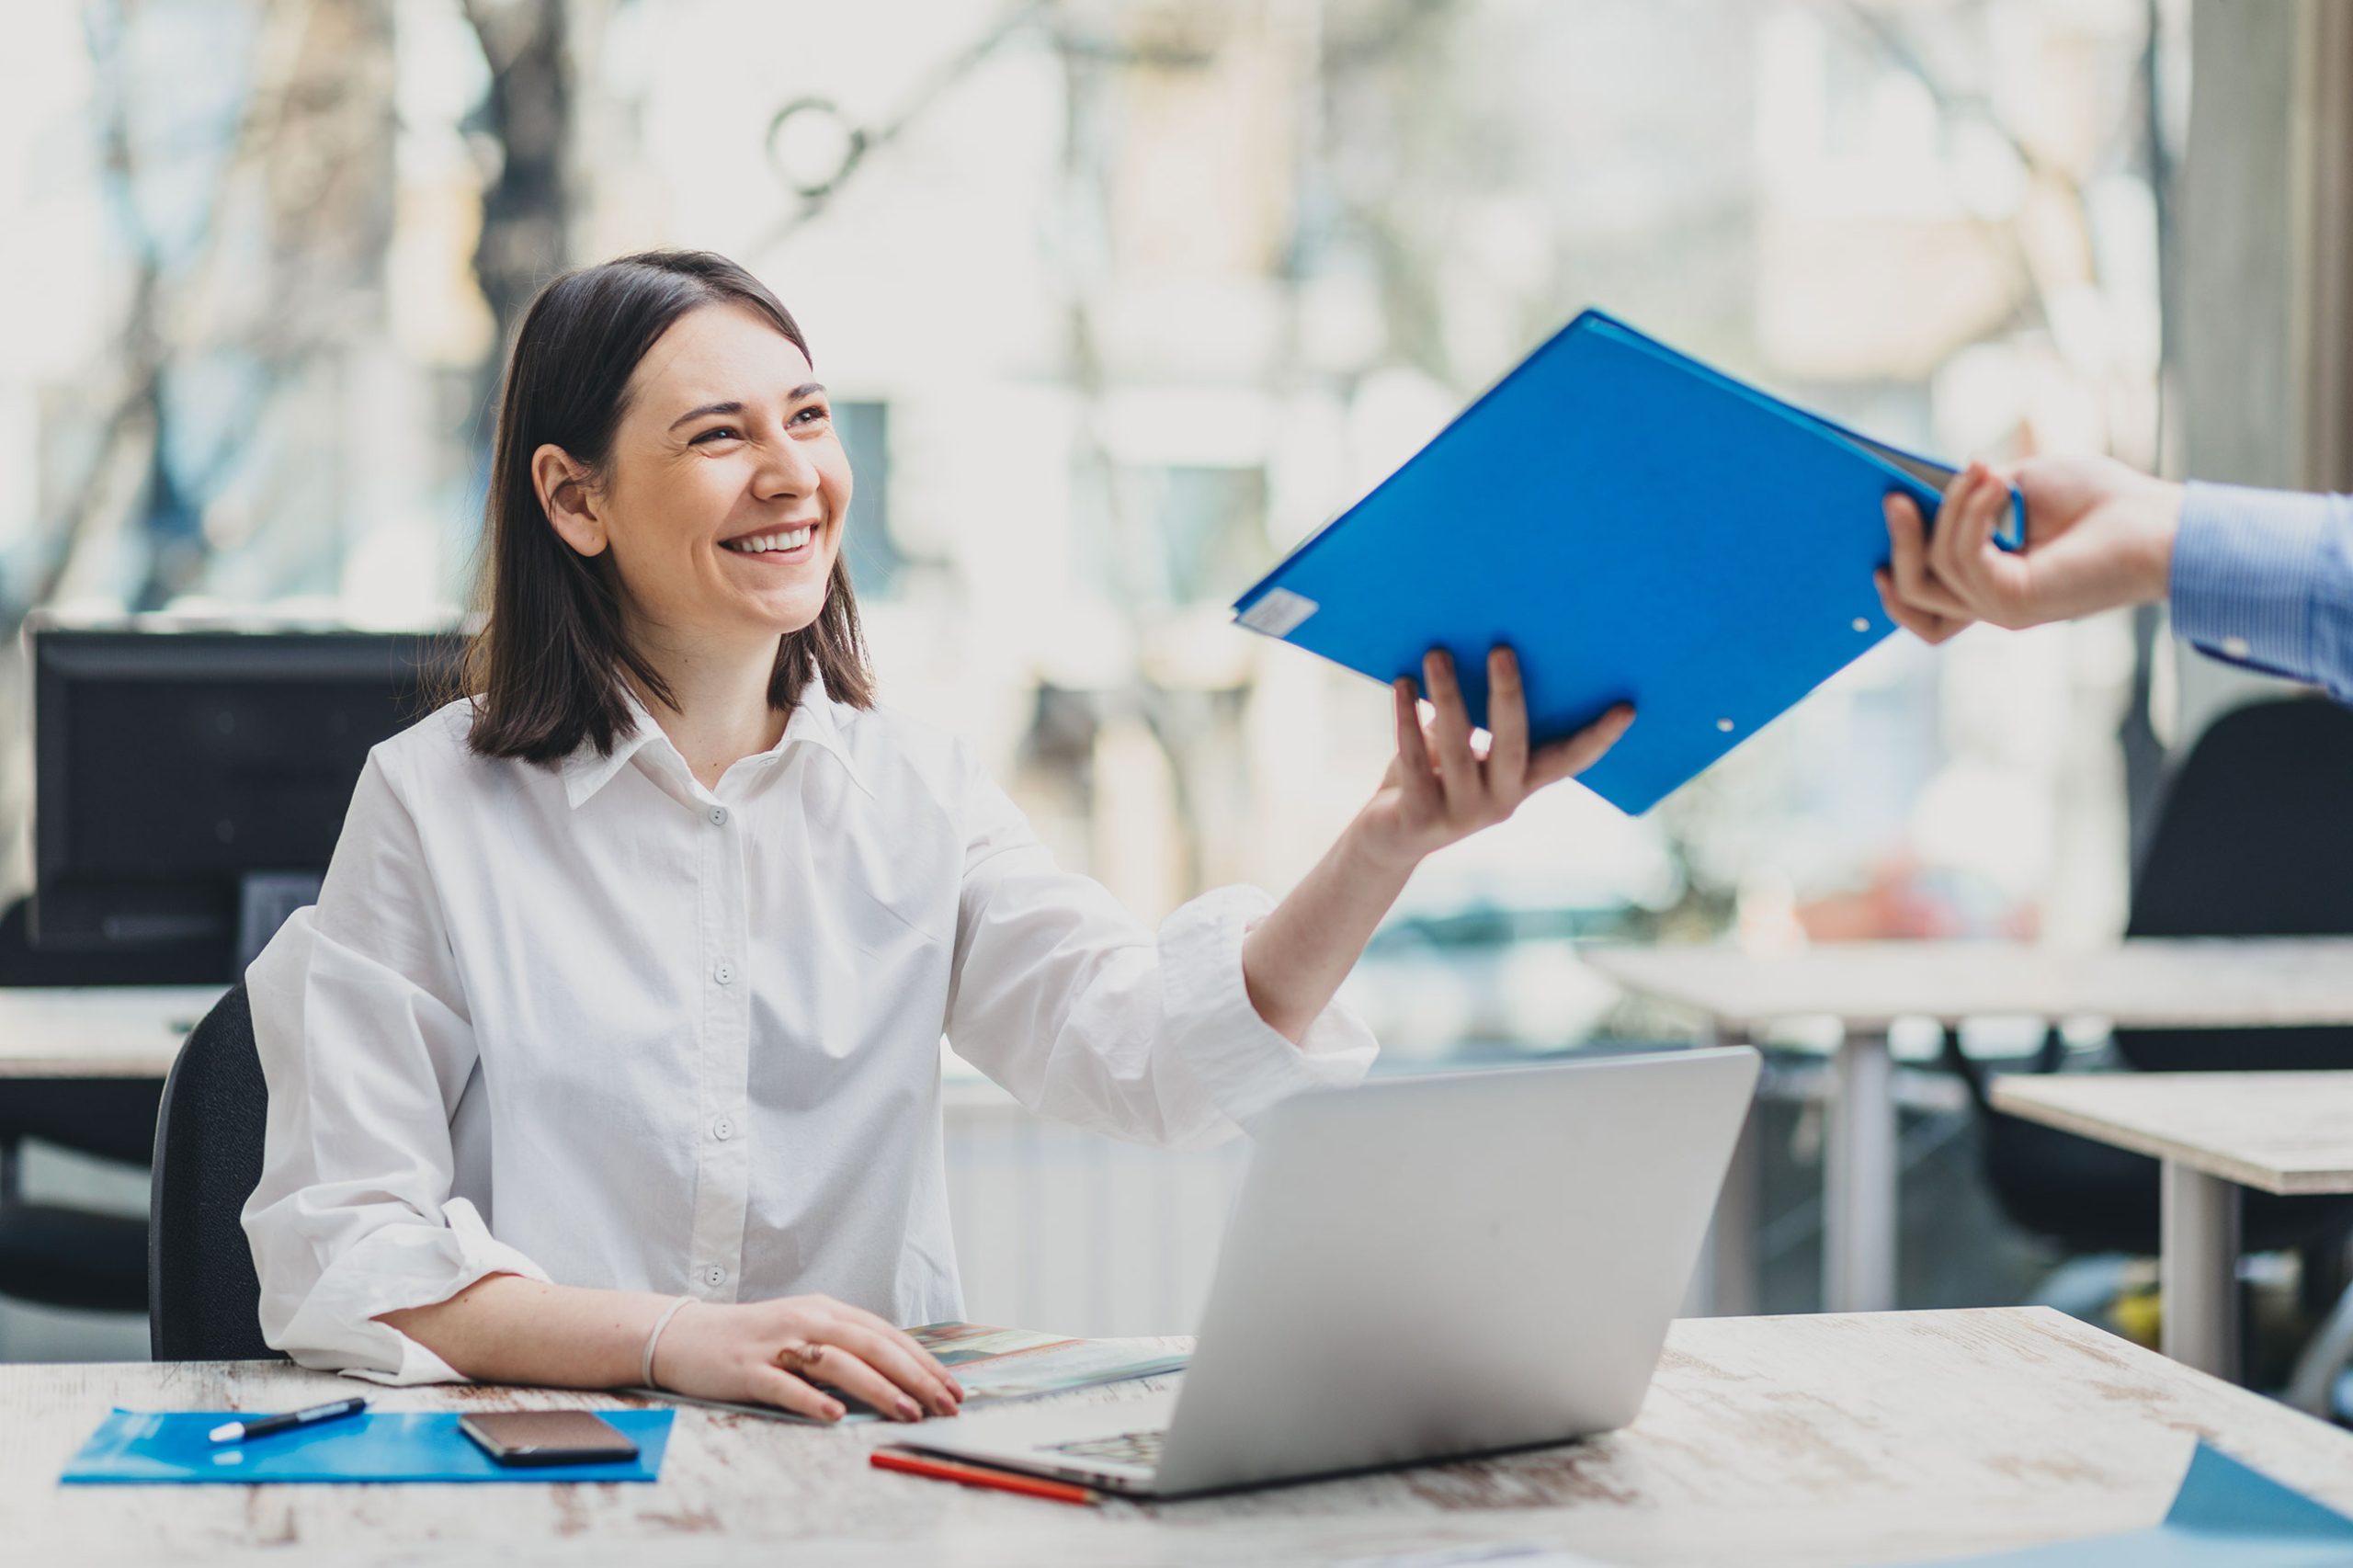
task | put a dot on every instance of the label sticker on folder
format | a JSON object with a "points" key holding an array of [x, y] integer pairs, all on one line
{"points": [[1279, 612]]}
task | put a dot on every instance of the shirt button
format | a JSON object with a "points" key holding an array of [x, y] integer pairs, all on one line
{"points": [[2236, 647], [719, 817], [722, 1129], [724, 973], [714, 1275]]}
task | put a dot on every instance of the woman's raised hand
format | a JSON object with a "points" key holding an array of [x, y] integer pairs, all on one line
{"points": [[777, 1352], [1441, 787]]}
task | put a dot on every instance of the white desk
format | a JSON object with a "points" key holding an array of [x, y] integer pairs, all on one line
{"points": [[126, 1031], [1771, 1442], [2216, 1132], [1867, 985]]}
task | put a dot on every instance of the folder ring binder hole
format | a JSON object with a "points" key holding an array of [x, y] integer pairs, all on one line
{"points": [[1726, 725], [1861, 625]]}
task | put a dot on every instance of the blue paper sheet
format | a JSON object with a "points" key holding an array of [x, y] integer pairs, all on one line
{"points": [[136, 1447], [2225, 1513], [1641, 527]]}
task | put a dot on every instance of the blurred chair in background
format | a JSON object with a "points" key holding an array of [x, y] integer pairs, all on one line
{"points": [[54, 1254], [2254, 839]]}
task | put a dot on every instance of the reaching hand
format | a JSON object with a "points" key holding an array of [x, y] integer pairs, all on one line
{"points": [[2099, 534], [1440, 789]]}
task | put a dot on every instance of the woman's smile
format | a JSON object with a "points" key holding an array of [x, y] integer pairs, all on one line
{"points": [[786, 546]]}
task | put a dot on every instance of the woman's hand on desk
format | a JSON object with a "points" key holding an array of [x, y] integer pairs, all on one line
{"points": [[1441, 787], [768, 1352], [506, 1329]]}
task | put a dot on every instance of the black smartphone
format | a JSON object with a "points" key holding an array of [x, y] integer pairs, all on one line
{"points": [[547, 1436]]}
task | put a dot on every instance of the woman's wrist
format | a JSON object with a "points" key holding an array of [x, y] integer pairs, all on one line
{"points": [[646, 1376], [1372, 850]]}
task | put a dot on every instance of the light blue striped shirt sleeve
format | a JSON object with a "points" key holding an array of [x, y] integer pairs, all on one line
{"points": [[2264, 579]]}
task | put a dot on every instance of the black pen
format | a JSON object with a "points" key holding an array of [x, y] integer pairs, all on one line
{"points": [[262, 1426]]}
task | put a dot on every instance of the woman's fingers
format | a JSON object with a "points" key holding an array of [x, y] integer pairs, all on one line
{"points": [[908, 1365], [1507, 725], [844, 1368], [1456, 767], [774, 1385], [1563, 759], [1416, 775], [906, 1343]]}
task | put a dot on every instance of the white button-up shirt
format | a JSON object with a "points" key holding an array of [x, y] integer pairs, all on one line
{"points": [[595, 1023]]}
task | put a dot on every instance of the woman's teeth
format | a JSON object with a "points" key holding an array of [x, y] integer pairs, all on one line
{"points": [[792, 539]]}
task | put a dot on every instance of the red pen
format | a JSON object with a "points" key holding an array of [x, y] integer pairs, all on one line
{"points": [[980, 1475]]}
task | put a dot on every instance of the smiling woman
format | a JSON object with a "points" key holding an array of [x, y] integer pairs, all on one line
{"points": [[681, 376], [651, 940]]}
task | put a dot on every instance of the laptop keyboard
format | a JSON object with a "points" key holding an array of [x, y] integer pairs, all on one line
{"points": [[1139, 1449]]}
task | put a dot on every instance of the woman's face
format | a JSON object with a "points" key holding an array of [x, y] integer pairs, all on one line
{"points": [[724, 495]]}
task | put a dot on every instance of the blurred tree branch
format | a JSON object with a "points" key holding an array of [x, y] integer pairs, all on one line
{"points": [[525, 212]]}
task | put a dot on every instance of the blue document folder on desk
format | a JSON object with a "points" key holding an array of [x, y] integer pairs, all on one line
{"points": [[132, 1447], [2224, 1514], [1640, 528]]}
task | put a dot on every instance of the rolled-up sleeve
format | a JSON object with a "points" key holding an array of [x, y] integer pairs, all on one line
{"points": [[367, 1048], [1086, 1015], [2264, 579]]}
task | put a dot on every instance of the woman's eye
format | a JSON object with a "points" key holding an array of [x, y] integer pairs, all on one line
{"points": [[718, 433], [812, 415]]}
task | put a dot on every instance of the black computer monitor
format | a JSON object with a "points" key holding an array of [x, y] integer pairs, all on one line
{"points": [[190, 785]]}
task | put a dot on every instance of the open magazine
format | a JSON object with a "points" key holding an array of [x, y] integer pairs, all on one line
{"points": [[994, 1365]]}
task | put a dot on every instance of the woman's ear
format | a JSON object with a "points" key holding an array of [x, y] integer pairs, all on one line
{"points": [[564, 497]]}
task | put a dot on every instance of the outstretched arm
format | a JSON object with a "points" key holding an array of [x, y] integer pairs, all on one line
{"points": [[2097, 535], [2261, 578], [1440, 789]]}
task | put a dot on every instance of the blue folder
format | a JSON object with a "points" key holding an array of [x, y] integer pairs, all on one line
{"points": [[134, 1447], [1640, 528], [2224, 1514]]}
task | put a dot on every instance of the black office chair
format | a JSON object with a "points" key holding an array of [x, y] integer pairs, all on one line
{"points": [[50, 1254], [2254, 839], [204, 1299]]}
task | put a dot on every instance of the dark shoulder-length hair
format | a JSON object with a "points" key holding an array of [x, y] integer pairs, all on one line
{"points": [[548, 666]]}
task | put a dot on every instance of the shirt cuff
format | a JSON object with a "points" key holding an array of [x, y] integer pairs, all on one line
{"points": [[1241, 1060], [397, 1266], [2246, 564]]}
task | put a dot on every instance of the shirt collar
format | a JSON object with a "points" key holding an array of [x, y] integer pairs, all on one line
{"points": [[823, 722], [817, 719]]}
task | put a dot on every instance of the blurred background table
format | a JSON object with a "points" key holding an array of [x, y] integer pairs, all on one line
{"points": [[2216, 1132], [97, 1031], [2207, 983]]}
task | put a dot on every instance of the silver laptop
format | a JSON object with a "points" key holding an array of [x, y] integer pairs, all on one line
{"points": [[1420, 1268]]}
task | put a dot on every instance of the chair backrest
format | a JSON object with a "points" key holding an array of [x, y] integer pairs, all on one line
{"points": [[203, 1297], [2254, 839]]}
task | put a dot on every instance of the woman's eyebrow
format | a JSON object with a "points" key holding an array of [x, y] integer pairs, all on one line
{"points": [[806, 388], [707, 408]]}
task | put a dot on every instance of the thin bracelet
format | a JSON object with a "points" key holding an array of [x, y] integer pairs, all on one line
{"points": [[645, 1369]]}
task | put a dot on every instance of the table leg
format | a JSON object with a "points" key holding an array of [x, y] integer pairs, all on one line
{"points": [[2199, 1272], [1858, 1180], [1732, 1240]]}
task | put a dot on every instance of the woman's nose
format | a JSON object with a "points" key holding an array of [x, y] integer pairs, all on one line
{"points": [[790, 471]]}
